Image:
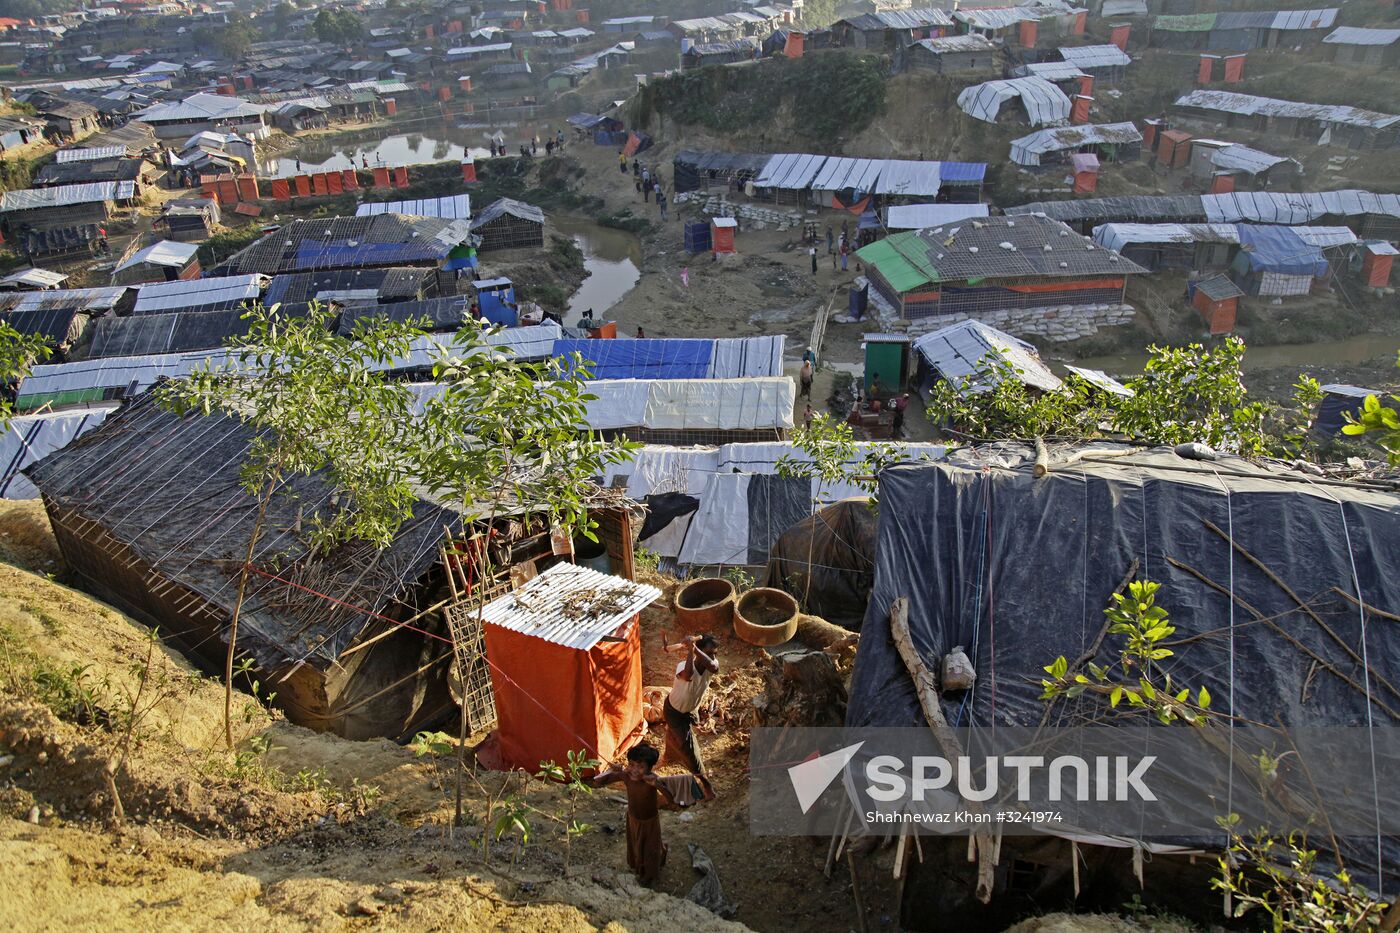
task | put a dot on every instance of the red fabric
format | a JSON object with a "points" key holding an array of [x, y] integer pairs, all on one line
{"points": [[1079, 110], [1205, 70], [381, 177], [391, 106], [350, 179], [1119, 36], [1218, 315], [228, 190], [1222, 184], [1234, 68], [303, 186], [444, 93], [318, 184], [1086, 85], [551, 700], [1081, 20], [1086, 182], [281, 189], [335, 182], [248, 187], [468, 172], [795, 45], [722, 239], [1069, 286], [401, 177], [1027, 35]]}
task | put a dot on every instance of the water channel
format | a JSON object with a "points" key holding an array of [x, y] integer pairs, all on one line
{"points": [[613, 259]]}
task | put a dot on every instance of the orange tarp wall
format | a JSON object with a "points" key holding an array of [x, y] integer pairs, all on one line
{"points": [[550, 700]]}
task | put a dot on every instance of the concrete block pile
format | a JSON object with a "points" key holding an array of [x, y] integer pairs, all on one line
{"points": [[751, 216]]}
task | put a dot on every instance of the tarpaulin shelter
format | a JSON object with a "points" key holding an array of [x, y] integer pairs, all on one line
{"points": [[636, 142], [676, 358], [1085, 166], [1018, 569], [1338, 402], [827, 561], [566, 666], [30, 438], [1044, 102]]}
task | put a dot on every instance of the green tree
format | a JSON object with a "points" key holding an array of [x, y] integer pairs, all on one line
{"points": [[18, 354], [338, 26], [316, 404], [1380, 421], [1194, 394], [993, 402]]}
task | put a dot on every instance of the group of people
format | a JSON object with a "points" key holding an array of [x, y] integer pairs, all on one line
{"points": [[648, 792], [839, 250], [531, 147], [874, 402], [646, 181]]}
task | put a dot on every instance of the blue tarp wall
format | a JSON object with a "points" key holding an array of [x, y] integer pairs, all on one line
{"points": [[1279, 249], [642, 359], [494, 306]]}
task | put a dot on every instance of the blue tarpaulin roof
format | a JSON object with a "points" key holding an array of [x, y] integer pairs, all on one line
{"points": [[1280, 249], [953, 173], [642, 359]]}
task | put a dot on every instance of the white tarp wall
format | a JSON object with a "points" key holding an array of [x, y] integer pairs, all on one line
{"points": [[30, 438], [746, 357], [718, 532], [693, 404]]}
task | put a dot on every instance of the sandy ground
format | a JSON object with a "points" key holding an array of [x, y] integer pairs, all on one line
{"points": [[322, 833]]}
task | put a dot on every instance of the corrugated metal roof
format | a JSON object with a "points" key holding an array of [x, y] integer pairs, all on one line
{"points": [[1296, 208], [1044, 102], [1245, 159], [37, 278], [1251, 105], [571, 605], [65, 195], [510, 206], [1050, 71], [1101, 380], [1354, 35], [1028, 149], [1305, 19], [164, 253], [1113, 8], [972, 42], [1096, 56], [83, 299], [64, 156], [453, 207], [958, 352], [901, 19], [183, 296], [201, 107]]}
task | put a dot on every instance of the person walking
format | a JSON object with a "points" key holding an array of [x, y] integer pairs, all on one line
{"points": [[641, 334], [621, 162], [637, 167], [661, 201], [807, 416], [549, 147], [813, 253], [897, 406], [646, 184], [830, 248], [804, 379], [845, 251]]}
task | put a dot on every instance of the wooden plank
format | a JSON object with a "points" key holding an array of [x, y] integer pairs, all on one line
{"points": [[926, 686]]}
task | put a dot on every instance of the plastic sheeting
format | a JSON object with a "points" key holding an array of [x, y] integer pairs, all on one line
{"points": [[791, 171], [693, 404], [1280, 250], [1044, 102], [638, 359], [957, 350], [901, 177], [1028, 149], [1018, 570], [30, 438], [921, 216], [827, 561], [199, 294]]}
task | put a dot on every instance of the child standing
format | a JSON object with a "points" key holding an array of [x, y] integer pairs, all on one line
{"points": [[646, 853]]}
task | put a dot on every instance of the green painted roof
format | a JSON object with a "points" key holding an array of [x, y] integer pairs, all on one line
{"points": [[1191, 22], [901, 259]]}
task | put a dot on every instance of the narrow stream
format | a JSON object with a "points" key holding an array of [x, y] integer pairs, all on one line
{"points": [[613, 259]]}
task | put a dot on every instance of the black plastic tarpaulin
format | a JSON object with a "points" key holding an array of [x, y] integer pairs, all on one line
{"points": [[1019, 569]]}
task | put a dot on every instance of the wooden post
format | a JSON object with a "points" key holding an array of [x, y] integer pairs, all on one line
{"points": [[855, 893], [926, 686]]}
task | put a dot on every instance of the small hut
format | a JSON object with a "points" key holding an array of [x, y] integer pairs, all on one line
{"points": [[1218, 299], [566, 666], [509, 224], [1086, 172], [1376, 261], [165, 261], [722, 230]]}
